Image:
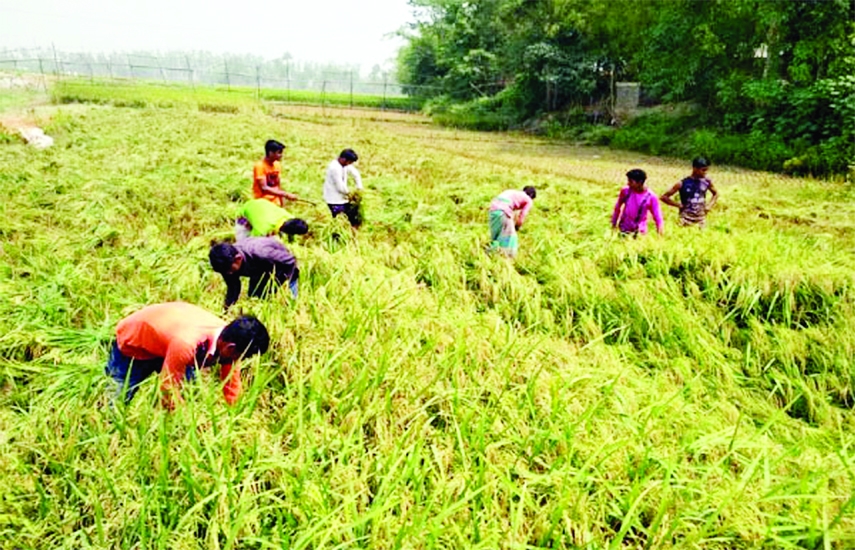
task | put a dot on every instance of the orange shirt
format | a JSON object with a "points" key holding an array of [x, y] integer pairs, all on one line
{"points": [[183, 335], [264, 172]]}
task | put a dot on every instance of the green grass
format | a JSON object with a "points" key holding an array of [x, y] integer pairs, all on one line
{"points": [[211, 98], [694, 391], [15, 99]]}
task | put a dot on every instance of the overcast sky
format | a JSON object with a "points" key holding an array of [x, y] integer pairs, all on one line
{"points": [[310, 30]]}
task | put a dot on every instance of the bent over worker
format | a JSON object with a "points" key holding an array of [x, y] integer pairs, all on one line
{"points": [[258, 258], [174, 340], [507, 214]]}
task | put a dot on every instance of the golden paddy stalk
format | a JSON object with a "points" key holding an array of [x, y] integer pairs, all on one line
{"points": [[693, 391]]}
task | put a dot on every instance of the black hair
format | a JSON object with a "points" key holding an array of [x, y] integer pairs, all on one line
{"points": [[222, 256], [349, 155], [700, 162], [294, 226], [636, 174], [247, 334], [530, 191], [273, 146]]}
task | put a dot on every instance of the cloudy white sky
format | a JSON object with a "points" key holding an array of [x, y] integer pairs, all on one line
{"points": [[310, 30]]}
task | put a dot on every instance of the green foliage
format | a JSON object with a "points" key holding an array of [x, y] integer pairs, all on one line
{"points": [[776, 72], [693, 391], [679, 134], [488, 114], [212, 99]]}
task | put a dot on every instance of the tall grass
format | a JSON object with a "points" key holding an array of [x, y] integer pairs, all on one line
{"points": [[687, 392], [213, 98]]}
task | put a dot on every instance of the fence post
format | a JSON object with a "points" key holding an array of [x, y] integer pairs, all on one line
{"points": [[42, 70], [257, 82], [110, 67], [385, 83], [130, 67], [160, 66], [56, 68], [228, 80], [324, 98], [190, 70], [288, 82], [351, 88]]}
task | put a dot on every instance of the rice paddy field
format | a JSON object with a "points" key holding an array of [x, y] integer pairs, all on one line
{"points": [[690, 391]]}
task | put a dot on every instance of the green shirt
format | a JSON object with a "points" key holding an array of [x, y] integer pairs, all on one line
{"points": [[265, 217]]}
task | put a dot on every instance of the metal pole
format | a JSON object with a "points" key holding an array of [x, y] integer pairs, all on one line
{"points": [[288, 83], [190, 70], [351, 88], [228, 80], [257, 82], [56, 70], [160, 66], [324, 98], [42, 70], [385, 83], [130, 67]]}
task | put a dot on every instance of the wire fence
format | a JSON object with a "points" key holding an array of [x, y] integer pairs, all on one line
{"points": [[239, 74]]}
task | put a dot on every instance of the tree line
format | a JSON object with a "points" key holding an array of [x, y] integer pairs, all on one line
{"points": [[764, 83]]}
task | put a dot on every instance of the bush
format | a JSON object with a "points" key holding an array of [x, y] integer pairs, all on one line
{"points": [[599, 135], [677, 134], [835, 156], [488, 113]]}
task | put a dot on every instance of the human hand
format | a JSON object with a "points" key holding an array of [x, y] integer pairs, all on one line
{"points": [[291, 196]]}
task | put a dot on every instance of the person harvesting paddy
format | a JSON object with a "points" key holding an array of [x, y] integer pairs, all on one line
{"points": [[266, 175], [336, 194], [262, 218], [258, 258], [508, 212], [633, 204], [174, 339], [693, 193]]}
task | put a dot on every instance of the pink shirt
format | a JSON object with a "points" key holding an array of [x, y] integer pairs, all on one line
{"points": [[631, 219], [511, 200]]}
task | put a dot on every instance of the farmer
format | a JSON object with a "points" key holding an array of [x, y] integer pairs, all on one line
{"points": [[257, 258], [693, 193], [266, 181], [174, 339], [336, 193], [634, 202], [507, 214], [262, 218]]}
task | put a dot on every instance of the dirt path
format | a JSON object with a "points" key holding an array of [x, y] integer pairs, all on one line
{"points": [[25, 107]]}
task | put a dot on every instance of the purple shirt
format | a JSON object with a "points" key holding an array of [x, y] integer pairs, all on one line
{"points": [[262, 256], [635, 207]]}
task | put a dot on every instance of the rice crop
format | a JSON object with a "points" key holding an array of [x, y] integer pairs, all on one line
{"points": [[120, 93], [691, 391]]}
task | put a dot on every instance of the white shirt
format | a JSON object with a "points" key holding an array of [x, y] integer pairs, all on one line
{"points": [[335, 186]]}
